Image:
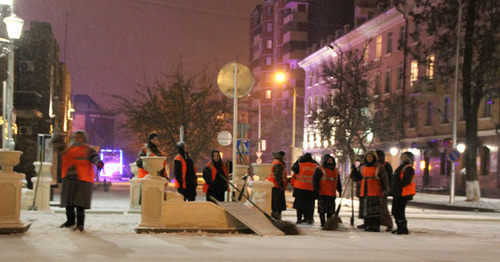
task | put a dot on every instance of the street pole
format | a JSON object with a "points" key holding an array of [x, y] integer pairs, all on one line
{"points": [[260, 128], [294, 109], [455, 101], [235, 119]]}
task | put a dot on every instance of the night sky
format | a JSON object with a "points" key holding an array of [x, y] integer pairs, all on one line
{"points": [[113, 45]]}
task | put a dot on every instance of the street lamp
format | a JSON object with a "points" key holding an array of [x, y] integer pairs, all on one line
{"points": [[14, 26]]}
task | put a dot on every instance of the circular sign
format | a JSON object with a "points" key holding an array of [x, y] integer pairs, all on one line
{"points": [[244, 79], [454, 155], [224, 138]]}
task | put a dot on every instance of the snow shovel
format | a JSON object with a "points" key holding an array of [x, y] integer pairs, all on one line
{"points": [[285, 226]]}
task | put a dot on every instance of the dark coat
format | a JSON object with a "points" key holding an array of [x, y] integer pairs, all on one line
{"points": [[217, 186], [398, 183]]}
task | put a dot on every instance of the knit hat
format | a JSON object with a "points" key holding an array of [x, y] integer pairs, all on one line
{"points": [[278, 154], [410, 156]]}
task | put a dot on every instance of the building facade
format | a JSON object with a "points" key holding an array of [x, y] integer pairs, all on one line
{"points": [[280, 32], [429, 131]]}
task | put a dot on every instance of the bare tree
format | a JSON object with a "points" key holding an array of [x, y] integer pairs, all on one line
{"points": [[177, 100], [480, 51]]}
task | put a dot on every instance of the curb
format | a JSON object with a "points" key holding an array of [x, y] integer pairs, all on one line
{"points": [[450, 207]]}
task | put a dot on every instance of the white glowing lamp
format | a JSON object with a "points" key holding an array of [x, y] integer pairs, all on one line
{"points": [[6, 2], [14, 26], [461, 148], [393, 151]]}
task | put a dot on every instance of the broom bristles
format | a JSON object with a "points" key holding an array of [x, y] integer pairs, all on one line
{"points": [[332, 223], [286, 227]]}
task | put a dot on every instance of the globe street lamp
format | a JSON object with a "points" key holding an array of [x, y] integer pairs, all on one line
{"points": [[14, 26]]}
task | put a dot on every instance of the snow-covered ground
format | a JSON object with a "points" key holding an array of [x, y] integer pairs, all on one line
{"points": [[435, 236]]}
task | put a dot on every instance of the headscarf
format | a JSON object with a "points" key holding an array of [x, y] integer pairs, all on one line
{"points": [[152, 146], [327, 165], [375, 158], [180, 149], [279, 155], [381, 156], [307, 157], [83, 134], [410, 156]]}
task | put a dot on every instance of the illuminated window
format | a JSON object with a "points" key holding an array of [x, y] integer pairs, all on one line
{"points": [[378, 49], [269, 60], [269, 44], [429, 73], [269, 27], [268, 94], [413, 72]]}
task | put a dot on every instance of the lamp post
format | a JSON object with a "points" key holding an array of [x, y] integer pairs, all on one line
{"points": [[14, 26]]}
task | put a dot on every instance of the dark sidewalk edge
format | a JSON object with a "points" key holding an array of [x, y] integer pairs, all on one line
{"points": [[450, 207]]}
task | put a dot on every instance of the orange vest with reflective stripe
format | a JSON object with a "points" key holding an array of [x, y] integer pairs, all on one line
{"points": [[271, 177], [371, 180], [410, 189], [184, 169], [328, 182], [78, 156], [304, 179], [214, 174]]}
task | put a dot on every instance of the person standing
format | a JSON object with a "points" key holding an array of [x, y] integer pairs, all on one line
{"points": [[403, 190], [216, 176], [278, 177], [326, 184], [374, 185], [386, 219], [149, 149], [303, 190], [185, 173], [78, 175]]}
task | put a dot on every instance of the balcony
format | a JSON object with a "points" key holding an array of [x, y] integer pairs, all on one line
{"points": [[426, 88]]}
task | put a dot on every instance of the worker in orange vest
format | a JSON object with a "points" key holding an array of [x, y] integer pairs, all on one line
{"points": [[326, 183], [278, 177], [303, 190], [185, 173], [403, 190], [150, 149], [216, 176], [77, 173], [374, 186]]}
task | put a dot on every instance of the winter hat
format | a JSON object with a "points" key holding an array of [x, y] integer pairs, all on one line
{"points": [[410, 156], [374, 154], [381, 155], [278, 154], [151, 136], [325, 159]]}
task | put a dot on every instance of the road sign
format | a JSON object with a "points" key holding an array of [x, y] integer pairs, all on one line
{"points": [[454, 155], [224, 138], [243, 147]]}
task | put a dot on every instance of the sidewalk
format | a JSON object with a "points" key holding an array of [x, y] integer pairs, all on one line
{"points": [[436, 201]]}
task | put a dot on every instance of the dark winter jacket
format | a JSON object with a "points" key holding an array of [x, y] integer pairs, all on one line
{"points": [[191, 179], [398, 184], [300, 193], [318, 174], [278, 173], [357, 176], [219, 183]]}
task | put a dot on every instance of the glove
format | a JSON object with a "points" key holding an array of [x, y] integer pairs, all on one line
{"points": [[100, 165]]}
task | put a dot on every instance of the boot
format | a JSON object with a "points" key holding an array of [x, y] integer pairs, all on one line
{"points": [[80, 221], [70, 220], [404, 228], [322, 219], [398, 225], [299, 217], [276, 215]]}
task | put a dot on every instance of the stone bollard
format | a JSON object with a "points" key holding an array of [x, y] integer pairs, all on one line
{"points": [[42, 201], [261, 194], [10, 193], [135, 188], [238, 181], [262, 171], [153, 187]]}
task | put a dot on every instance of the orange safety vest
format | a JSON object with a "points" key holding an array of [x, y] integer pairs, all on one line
{"points": [[214, 174], [184, 170], [304, 179], [328, 182], [410, 189], [370, 179], [271, 177], [78, 156]]}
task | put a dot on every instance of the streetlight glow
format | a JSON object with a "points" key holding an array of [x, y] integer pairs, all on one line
{"points": [[280, 77], [14, 26], [393, 151], [461, 148], [6, 2]]}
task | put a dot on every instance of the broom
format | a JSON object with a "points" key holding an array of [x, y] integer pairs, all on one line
{"points": [[333, 222], [286, 227]]}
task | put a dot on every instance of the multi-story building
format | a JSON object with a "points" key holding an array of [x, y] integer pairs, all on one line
{"points": [[97, 122], [41, 93], [429, 131], [280, 32]]}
